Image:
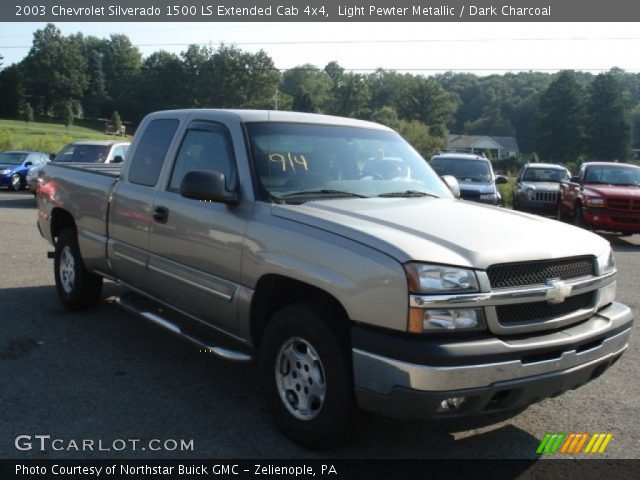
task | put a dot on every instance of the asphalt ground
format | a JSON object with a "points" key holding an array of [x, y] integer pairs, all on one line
{"points": [[107, 375]]}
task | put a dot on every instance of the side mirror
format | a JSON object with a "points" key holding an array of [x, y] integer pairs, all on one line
{"points": [[117, 159], [28, 164], [501, 179], [206, 185], [574, 179], [453, 184]]}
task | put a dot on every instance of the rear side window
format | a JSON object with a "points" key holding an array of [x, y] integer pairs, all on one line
{"points": [[203, 149], [148, 158]]}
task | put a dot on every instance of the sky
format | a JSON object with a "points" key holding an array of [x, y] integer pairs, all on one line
{"points": [[427, 48]]}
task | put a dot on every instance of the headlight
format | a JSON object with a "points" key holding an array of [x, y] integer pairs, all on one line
{"points": [[445, 319], [4, 171], [490, 197], [606, 263], [531, 193], [595, 202], [426, 279]]}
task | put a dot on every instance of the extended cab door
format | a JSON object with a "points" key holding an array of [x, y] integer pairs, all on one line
{"points": [[196, 246], [132, 202]]}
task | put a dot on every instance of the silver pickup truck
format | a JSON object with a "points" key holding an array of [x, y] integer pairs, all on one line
{"points": [[329, 250]]}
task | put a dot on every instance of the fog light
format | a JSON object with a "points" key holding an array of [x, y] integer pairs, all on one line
{"points": [[596, 218], [451, 404]]}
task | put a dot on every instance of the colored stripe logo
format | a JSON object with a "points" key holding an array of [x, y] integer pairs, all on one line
{"points": [[573, 443]]}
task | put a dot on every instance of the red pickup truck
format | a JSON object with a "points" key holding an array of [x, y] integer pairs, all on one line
{"points": [[604, 196]]}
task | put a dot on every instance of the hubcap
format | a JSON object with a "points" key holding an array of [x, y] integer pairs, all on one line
{"points": [[15, 182], [300, 378], [67, 270]]}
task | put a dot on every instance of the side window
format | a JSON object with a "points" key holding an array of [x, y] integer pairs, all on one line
{"points": [[148, 158], [207, 149]]}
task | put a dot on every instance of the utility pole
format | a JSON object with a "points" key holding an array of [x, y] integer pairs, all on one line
{"points": [[275, 98]]}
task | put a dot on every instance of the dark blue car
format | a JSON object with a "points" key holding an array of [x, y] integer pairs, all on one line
{"points": [[14, 167]]}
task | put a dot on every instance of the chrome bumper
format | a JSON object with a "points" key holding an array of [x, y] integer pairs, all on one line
{"points": [[380, 374]]}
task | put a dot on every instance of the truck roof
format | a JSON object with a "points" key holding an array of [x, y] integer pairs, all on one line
{"points": [[465, 156], [278, 116]]}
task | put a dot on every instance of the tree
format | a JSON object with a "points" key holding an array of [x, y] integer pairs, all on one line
{"points": [[609, 122], [116, 121], [95, 95], [315, 82], [68, 115], [560, 120], [431, 104], [303, 102], [12, 88], [27, 114], [351, 96], [57, 68]]}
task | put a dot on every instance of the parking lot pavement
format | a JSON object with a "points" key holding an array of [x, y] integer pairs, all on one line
{"points": [[105, 374]]}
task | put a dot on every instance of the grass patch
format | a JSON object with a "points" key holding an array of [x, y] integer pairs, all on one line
{"points": [[47, 136], [507, 190]]}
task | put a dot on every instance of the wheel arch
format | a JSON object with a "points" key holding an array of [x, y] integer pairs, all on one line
{"points": [[274, 292]]}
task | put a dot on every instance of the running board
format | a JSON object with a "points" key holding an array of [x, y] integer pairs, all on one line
{"points": [[129, 304]]}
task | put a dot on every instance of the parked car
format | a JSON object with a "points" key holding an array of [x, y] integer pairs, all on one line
{"points": [[603, 196], [15, 165], [538, 186], [256, 235], [474, 173], [84, 152]]}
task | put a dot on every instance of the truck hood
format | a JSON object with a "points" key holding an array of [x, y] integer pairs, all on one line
{"points": [[445, 231], [477, 187], [613, 190]]}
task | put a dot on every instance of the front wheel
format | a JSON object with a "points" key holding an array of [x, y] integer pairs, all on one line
{"points": [[77, 287], [16, 183], [306, 375]]}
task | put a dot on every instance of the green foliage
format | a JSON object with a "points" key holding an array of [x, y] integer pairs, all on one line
{"points": [[308, 81], [560, 120], [40, 143], [7, 139], [27, 114], [12, 86], [116, 120], [609, 120], [303, 102], [69, 115], [507, 190]]}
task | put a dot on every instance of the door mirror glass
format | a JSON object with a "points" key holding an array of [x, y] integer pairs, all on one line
{"points": [[208, 186], [453, 184], [501, 179], [575, 179], [28, 164], [117, 159]]}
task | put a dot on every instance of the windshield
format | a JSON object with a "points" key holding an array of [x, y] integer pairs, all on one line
{"points": [[83, 154], [295, 162], [545, 175], [12, 158], [464, 170], [613, 175]]}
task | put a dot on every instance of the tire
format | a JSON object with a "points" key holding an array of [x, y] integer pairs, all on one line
{"points": [[578, 218], [16, 183], [306, 330], [77, 287]]}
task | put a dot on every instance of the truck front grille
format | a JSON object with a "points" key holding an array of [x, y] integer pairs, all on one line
{"points": [[508, 275], [624, 203], [549, 197], [543, 311]]}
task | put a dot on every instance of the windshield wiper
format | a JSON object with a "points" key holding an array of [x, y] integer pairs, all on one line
{"points": [[408, 193], [324, 191]]}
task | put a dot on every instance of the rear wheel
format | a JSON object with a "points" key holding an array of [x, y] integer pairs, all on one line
{"points": [[77, 287], [306, 375], [16, 183]]}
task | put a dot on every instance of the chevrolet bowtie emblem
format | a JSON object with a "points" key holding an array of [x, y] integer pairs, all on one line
{"points": [[558, 291]]}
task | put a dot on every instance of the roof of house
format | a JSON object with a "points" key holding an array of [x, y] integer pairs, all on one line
{"points": [[468, 141]]}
